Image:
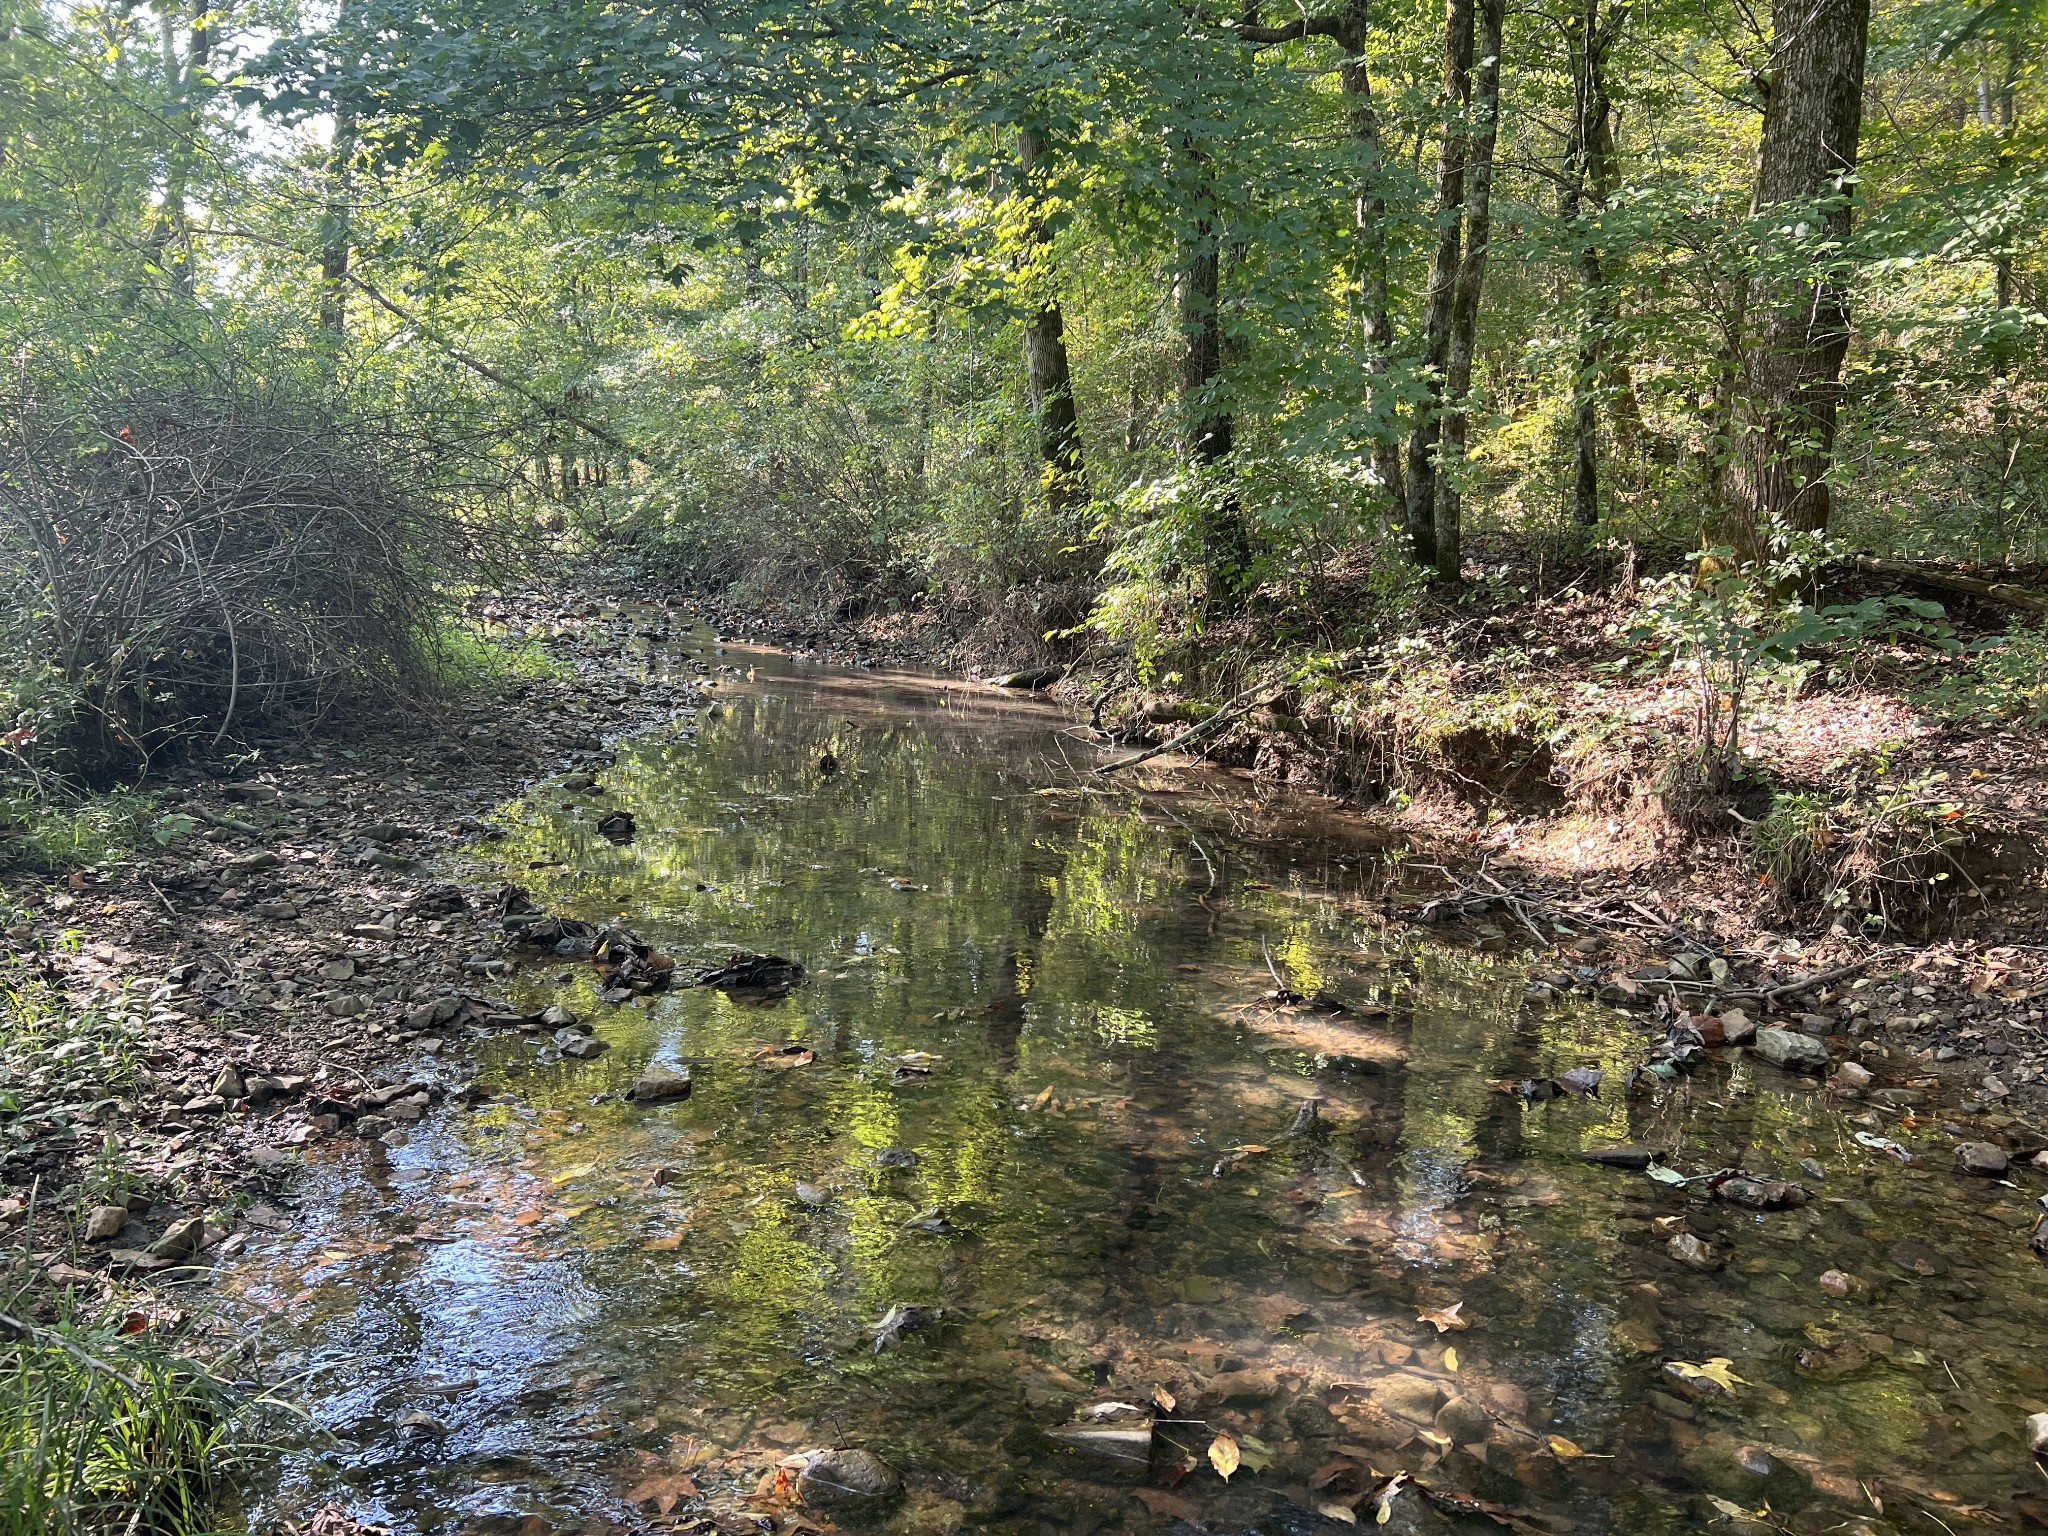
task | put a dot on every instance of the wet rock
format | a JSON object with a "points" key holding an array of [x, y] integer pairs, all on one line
{"points": [[1624, 1155], [848, 1472], [105, 1223], [372, 1126], [1916, 1258], [583, 1047], [660, 1083], [558, 1017], [1760, 1194], [1983, 1159], [895, 1157], [1755, 1460], [1253, 1386], [1792, 1051], [903, 1318], [181, 1239], [1031, 679], [2037, 1433], [1853, 1074], [1737, 1028], [813, 1194], [1691, 1252], [1837, 1282], [1813, 1170], [415, 1425], [408, 1110], [752, 973], [1408, 1396], [1464, 1420]]}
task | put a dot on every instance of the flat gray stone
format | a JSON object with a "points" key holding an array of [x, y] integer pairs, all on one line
{"points": [[1792, 1051]]}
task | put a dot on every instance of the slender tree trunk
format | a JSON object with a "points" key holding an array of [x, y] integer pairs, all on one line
{"points": [[1046, 370], [1209, 429], [1443, 278], [1589, 179], [1791, 390], [1369, 222], [1471, 285]]}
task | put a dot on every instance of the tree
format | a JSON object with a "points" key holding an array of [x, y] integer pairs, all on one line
{"points": [[1798, 312], [1046, 369]]}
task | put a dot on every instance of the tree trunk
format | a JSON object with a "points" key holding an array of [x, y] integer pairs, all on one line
{"points": [[1046, 370], [1443, 278], [1471, 284], [1589, 179], [1792, 368], [1369, 222], [1208, 426]]}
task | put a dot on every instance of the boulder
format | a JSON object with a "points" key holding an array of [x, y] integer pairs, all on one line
{"points": [[105, 1223]]}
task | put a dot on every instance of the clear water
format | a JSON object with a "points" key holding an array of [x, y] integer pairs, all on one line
{"points": [[623, 1317]]}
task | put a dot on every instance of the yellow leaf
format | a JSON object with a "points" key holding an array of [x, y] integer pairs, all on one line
{"points": [[1450, 1359], [1332, 1510], [575, 1173], [1165, 1399], [1223, 1454], [1563, 1448], [1715, 1372]]}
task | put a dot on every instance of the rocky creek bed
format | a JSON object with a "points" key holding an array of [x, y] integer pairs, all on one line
{"points": [[1124, 1156]]}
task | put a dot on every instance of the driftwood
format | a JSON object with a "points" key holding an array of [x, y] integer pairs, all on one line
{"points": [[1951, 581]]}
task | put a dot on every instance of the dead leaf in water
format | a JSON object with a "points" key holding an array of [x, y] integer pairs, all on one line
{"points": [[1714, 1373], [1165, 1399], [1450, 1359], [783, 1057], [1445, 1318], [1562, 1448], [1224, 1455], [666, 1244]]}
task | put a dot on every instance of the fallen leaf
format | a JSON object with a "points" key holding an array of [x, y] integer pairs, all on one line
{"points": [[1664, 1175], [664, 1244], [1165, 1399], [1332, 1510], [1715, 1372], [782, 1059], [1445, 1318], [574, 1173], [1223, 1454], [528, 1218], [1450, 1359], [1562, 1448]]}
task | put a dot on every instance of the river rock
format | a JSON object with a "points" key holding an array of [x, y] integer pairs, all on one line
{"points": [[1837, 1282], [848, 1473], [1120, 1442], [181, 1239], [2037, 1433], [229, 1084], [1253, 1386], [1982, 1159], [1792, 1051], [584, 1047], [1737, 1028], [1625, 1155], [1464, 1421], [1691, 1252], [558, 1017], [1853, 1074], [1408, 1396], [105, 1223], [660, 1083]]}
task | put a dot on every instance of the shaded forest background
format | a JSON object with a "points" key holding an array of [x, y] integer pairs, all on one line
{"points": [[1126, 324]]}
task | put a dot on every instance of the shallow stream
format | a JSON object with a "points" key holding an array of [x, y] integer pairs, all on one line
{"points": [[557, 1311]]}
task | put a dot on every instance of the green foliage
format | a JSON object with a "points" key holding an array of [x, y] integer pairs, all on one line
{"points": [[1886, 848], [468, 660], [2004, 680]]}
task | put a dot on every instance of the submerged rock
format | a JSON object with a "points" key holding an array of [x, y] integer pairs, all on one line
{"points": [[660, 1083], [847, 1472], [1983, 1159]]}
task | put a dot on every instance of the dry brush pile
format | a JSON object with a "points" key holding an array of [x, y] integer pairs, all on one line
{"points": [[181, 566]]}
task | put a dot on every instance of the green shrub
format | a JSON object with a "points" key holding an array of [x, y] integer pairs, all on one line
{"points": [[2004, 681], [1889, 854]]}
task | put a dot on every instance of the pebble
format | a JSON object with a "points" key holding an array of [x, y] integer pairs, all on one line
{"points": [[1853, 1074], [1690, 1251], [585, 1048], [1837, 1282], [660, 1084], [105, 1223]]}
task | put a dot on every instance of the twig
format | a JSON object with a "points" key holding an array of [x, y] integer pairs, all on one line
{"points": [[1245, 701]]}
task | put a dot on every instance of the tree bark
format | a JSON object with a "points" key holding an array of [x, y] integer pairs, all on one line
{"points": [[1441, 294], [1590, 177], [1485, 127], [1046, 371], [1209, 429], [1791, 389]]}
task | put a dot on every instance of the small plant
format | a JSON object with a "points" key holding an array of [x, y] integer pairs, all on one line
{"points": [[2006, 681], [1731, 626], [1886, 855]]}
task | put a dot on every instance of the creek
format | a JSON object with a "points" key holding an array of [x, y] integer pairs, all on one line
{"points": [[1050, 1100]]}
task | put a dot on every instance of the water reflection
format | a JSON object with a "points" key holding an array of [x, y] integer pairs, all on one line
{"points": [[558, 1311]]}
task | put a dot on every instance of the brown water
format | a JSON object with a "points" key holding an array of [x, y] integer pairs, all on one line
{"points": [[599, 1341]]}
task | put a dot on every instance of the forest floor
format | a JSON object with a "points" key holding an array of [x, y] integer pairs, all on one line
{"points": [[208, 1006]]}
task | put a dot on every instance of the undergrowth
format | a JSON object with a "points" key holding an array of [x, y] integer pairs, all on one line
{"points": [[1889, 853]]}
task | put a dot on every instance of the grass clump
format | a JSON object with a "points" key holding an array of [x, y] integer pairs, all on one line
{"points": [[1889, 854], [108, 1425]]}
